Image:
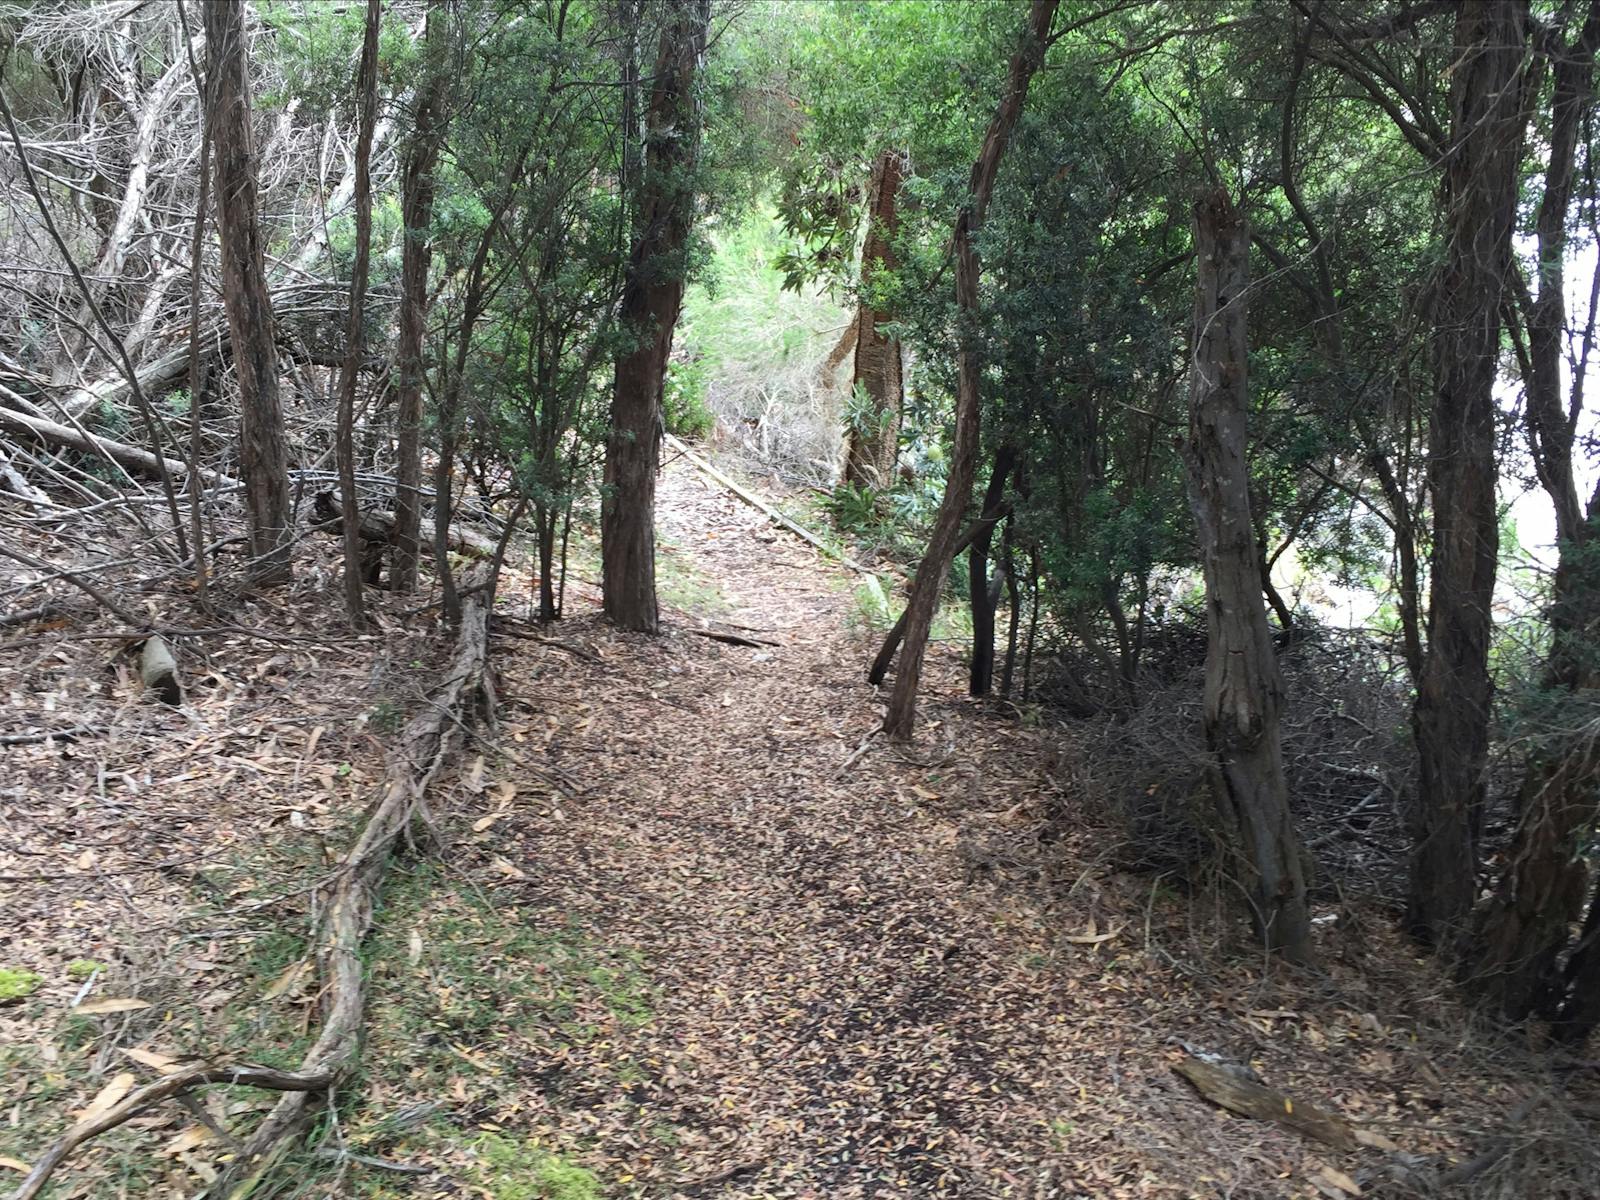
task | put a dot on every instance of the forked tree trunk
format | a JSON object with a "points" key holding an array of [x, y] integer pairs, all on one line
{"points": [[875, 431], [1526, 926], [416, 208], [900, 720], [651, 297], [263, 446], [1243, 690], [355, 340], [1451, 715]]}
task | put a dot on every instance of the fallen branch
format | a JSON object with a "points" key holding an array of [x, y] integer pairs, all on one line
{"points": [[179, 1083], [733, 639], [69, 734], [131, 458], [773, 515], [417, 756], [378, 528]]}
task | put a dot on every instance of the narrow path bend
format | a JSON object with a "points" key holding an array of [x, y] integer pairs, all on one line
{"points": [[842, 1009]]}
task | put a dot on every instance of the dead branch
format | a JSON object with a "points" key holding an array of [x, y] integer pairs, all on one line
{"points": [[773, 515], [133, 458], [416, 758], [732, 639], [378, 526], [177, 1084]]}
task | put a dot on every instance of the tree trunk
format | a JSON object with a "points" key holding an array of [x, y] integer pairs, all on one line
{"points": [[355, 330], [416, 208], [1008, 560], [1451, 715], [1243, 690], [263, 447], [1526, 926], [983, 600], [875, 432], [651, 297], [900, 720]]}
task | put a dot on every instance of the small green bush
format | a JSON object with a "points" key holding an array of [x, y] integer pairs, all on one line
{"points": [[683, 399], [16, 982]]}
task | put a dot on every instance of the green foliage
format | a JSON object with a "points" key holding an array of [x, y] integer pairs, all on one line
{"points": [[683, 399], [514, 1170], [83, 968], [17, 982]]}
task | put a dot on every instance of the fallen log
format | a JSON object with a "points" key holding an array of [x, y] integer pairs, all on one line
{"points": [[351, 895], [132, 458], [378, 532]]}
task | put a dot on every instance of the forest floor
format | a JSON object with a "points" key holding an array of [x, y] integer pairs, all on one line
{"points": [[693, 931]]}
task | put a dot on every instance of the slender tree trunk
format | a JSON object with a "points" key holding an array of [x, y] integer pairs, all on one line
{"points": [[263, 445], [355, 330], [1526, 926], [1451, 715], [651, 297], [416, 208], [875, 433], [980, 674], [1243, 692], [900, 720], [1008, 561]]}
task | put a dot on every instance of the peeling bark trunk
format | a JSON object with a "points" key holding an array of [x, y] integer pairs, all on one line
{"points": [[875, 433], [651, 297], [263, 446], [1451, 715], [355, 328], [1243, 690], [1526, 926], [900, 721], [416, 208]]}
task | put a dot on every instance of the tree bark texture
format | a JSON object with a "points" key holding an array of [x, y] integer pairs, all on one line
{"points": [[1451, 715], [355, 329], [900, 720], [416, 208], [1243, 689], [875, 432], [1526, 926], [651, 297], [263, 446]]}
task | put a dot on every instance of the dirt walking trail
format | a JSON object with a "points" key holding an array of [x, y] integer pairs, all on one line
{"points": [[843, 1002]]}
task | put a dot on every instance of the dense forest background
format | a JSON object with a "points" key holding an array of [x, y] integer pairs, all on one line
{"points": [[1211, 377]]}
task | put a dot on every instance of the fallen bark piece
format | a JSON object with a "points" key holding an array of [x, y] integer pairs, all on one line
{"points": [[159, 670], [1249, 1099]]}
